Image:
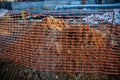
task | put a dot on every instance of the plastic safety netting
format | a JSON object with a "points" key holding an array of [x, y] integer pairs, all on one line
{"points": [[65, 42]]}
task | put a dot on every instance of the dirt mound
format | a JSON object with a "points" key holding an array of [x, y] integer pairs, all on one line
{"points": [[56, 46], [54, 23], [3, 32], [83, 49]]}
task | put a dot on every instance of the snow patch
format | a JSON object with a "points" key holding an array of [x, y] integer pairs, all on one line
{"points": [[107, 17], [3, 12]]}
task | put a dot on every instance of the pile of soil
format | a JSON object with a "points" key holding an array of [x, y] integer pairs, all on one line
{"points": [[3, 32], [83, 49], [10, 30], [3, 22], [55, 45], [54, 23]]}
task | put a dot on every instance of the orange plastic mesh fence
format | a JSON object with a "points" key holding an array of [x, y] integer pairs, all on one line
{"points": [[61, 44]]}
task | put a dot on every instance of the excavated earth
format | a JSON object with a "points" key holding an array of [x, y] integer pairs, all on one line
{"points": [[30, 46]]}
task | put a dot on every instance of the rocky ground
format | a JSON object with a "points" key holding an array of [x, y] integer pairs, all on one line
{"points": [[12, 71]]}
